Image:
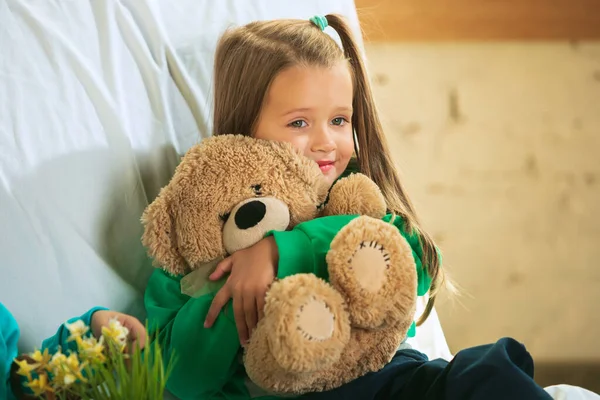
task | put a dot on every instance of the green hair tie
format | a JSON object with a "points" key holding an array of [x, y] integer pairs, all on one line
{"points": [[319, 21]]}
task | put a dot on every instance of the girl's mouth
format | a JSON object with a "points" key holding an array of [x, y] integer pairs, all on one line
{"points": [[326, 165]]}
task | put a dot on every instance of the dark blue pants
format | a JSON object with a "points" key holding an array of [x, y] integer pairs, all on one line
{"points": [[503, 370]]}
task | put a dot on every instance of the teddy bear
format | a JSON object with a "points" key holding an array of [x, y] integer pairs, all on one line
{"points": [[227, 193]]}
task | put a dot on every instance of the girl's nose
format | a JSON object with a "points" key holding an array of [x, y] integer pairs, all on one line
{"points": [[323, 141]]}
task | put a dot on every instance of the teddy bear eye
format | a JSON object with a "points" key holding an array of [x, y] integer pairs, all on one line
{"points": [[224, 217], [257, 189]]}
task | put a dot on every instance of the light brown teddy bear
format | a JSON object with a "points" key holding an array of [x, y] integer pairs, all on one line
{"points": [[226, 194]]}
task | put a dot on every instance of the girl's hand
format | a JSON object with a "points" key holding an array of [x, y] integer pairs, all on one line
{"points": [[137, 331], [252, 272]]}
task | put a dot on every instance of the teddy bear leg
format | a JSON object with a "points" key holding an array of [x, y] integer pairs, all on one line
{"points": [[372, 265], [305, 329]]}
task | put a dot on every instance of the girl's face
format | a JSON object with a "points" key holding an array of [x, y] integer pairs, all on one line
{"points": [[311, 108]]}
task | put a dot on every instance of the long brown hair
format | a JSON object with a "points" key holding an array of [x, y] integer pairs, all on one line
{"points": [[247, 60]]}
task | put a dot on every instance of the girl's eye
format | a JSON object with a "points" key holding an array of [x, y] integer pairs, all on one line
{"points": [[297, 124], [338, 121]]}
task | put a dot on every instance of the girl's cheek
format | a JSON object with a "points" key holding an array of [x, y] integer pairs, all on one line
{"points": [[299, 144]]}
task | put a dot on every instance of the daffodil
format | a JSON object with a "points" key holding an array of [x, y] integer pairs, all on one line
{"points": [[75, 367], [43, 358], [66, 370], [92, 350], [116, 332], [25, 368], [63, 379], [60, 375], [58, 359], [68, 379], [40, 385], [77, 329], [58, 369]]}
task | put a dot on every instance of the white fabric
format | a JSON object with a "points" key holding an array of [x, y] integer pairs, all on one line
{"points": [[98, 100], [430, 338], [90, 127], [568, 392]]}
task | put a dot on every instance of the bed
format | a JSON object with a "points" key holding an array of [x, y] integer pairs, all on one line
{"points": [[98, 100]]}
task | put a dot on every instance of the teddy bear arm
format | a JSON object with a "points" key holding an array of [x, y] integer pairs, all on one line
{"points": [[355, 195]]}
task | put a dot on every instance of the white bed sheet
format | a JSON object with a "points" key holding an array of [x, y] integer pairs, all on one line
{"points": [[98, 100], [90, 128], [568, 392]]}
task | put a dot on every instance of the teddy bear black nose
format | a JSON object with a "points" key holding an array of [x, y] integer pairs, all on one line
{"points": [[250, 214]]}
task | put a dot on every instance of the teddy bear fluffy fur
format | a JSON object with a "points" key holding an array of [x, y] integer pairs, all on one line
{"points": [[226, 194]]}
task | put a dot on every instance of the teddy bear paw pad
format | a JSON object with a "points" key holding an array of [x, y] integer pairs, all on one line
{"points": [[309, 326], [371, 264], [315, 321]]}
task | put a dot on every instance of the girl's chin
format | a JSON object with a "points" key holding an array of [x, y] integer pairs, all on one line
{"points": [[330, 177]]}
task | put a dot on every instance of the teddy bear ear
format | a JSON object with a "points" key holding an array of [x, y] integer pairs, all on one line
{"points": [[159, 237]]}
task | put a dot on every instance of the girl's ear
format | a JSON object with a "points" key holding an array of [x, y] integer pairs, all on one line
{"points": [[159, 237]]}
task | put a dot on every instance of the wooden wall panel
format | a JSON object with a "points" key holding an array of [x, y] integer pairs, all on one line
{"points": [[479, 20]]}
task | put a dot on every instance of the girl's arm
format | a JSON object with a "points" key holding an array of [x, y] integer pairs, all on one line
{"points": [[9, 336], [205, 359], [59, 340], [303, 249]]}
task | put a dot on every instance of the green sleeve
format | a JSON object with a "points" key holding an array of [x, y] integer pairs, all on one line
{"points": [[205, 360], [423, 278], [303, 249], [9, 336], [59, 340]]}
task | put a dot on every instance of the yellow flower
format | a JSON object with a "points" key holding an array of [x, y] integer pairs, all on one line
{"points": [[77, 329], [25, 368], [58, 368], [66, 370], [40, 385], [68, 379], [74, 366], [116, 332], [42, 358], [58, 359], [63, 379], [92, 350]]}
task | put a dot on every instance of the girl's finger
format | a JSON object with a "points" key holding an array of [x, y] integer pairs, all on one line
{"points": [[251, 315], [221, 298], [222, 268], [260, 306], [137, 331], [240, 318]]}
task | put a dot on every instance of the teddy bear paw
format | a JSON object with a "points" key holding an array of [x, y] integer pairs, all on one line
{"points": [[309, 326], [355, 194], [372, 265]]}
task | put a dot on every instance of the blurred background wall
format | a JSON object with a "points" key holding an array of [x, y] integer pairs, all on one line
{"points": [[492, 110]]}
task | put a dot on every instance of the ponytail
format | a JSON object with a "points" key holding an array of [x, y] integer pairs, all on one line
{"points": [[375, 161]]}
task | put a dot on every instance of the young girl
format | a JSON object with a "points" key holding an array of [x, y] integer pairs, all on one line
{"points": [[287, 80]]}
